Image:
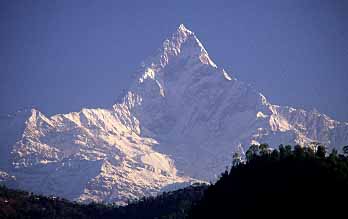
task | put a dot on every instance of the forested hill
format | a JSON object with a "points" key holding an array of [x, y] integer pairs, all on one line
{"points": [[291, 182], [20, 204]]}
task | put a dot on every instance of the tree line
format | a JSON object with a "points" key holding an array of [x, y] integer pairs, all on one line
{"points": [[287, 182]]}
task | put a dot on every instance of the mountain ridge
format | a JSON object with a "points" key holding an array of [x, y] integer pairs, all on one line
{"points": [[179, 122]]}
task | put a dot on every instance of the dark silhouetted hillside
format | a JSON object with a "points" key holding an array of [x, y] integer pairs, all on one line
{"points": [[284, 183], [20, 204]]}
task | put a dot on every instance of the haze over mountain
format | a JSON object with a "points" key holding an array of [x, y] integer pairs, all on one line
{"points": [[180, 121]]}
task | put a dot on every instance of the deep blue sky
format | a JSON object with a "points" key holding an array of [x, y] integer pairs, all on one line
{"points": [[60, 56]]}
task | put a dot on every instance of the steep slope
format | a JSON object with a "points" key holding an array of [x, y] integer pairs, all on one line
{"points": [[180, 120]]}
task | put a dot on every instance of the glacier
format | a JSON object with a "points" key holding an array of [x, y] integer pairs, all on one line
{"points": [[179, 123]]}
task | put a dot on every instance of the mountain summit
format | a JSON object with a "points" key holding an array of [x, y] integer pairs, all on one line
{"points": [[179, 122], [184, 45]]}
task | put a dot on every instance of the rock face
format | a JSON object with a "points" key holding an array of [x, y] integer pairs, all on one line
{"points": [[179, 122]]}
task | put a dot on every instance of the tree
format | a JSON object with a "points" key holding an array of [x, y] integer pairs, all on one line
{"points": [[299, 151], [236, 158], [321, 151], [263, 149], [252, 152], [333, 155], [345, 150], [254, 149], [309, 151], [288, 150], [314, 146], [275, 154], [282, 152], [249, 155]]}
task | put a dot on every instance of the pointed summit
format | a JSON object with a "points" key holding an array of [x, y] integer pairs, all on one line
{"points": [[182, 48], [184, 44], [183, 29]]}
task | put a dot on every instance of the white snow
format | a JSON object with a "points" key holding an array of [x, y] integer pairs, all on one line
{"points": [[261, 115], [226, 75]]}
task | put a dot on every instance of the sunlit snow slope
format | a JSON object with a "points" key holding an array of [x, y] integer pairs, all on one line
{"points": [[180, 121]]}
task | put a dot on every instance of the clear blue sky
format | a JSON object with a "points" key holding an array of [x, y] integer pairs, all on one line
{"points": [[60, 56]]}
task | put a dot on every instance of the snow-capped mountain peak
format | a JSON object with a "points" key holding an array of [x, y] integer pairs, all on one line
{"points": [[186, 41], [182, 45], [180, 121]]}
